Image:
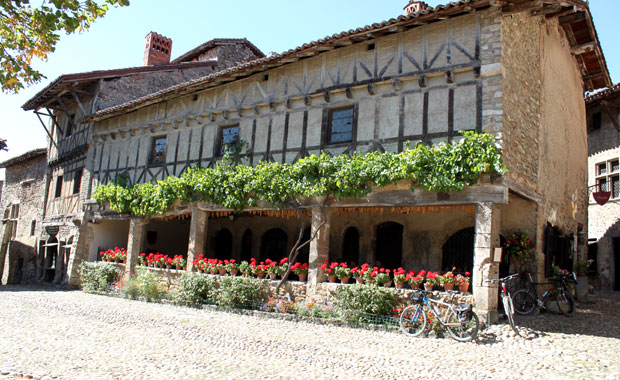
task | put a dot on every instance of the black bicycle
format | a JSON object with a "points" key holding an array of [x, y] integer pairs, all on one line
{"points": [[525, 300], [507, 300]]}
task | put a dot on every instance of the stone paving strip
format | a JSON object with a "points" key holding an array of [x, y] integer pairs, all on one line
{"points": [[69, 335]]}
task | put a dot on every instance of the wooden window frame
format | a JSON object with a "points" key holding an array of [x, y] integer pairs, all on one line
{"points": [[330, 119], [156, 158], [77, 180], [220, 142], [606, 177], [58, 188]]}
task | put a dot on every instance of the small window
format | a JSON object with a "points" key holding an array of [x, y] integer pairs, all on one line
{"points": [[595, 121], [77, 181], [15, 211], [371, 46], [602, 184], [159, 150], [340, 125], [615, 186], [615, 166], [33, 226], [602, 168], [58, 192], [69, 125], [229, 139]]}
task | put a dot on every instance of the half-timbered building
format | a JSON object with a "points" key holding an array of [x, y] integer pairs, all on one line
{"points": [[72, 97], [516, 69]]}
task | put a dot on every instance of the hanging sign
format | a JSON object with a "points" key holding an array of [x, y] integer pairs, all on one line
{"points": [[497, 255], [52, 230]]}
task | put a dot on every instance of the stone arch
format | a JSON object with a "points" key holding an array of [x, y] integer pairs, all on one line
{"points": [[389, 244], [273, 244], [351, 245], [246, 245], [223, 244], [458, 251]]}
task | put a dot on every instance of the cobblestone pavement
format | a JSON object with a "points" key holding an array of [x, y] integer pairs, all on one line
{"points": [[73, 335]]}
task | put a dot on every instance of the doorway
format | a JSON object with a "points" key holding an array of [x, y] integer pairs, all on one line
{"points": [[389, 245]]}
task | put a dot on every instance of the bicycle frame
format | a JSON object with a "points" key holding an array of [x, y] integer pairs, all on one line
{"points": [[449, 307]]}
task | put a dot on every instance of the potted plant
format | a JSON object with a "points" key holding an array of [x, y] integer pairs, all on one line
{"points": [[142, 259], [343, 272], [431, 281], [301, 270], [581, 288], [370, 275], [231, 267], [383, 278], [447, 280], [272, 268], [329, 270], [416, 280], [358, 273], [244, 268], [179, 262], [462, 281], [221, 267], [400, 276], [282, 267], [520, 246], [259, 269]]}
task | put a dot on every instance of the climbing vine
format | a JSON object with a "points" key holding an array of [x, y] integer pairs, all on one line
{"points": [[444, 167]]}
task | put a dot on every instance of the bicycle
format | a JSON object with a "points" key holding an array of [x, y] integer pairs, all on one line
{"points": [[460, 321], [525, 300], [507, 300]]}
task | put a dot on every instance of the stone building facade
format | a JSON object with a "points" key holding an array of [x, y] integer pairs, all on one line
{"points": [[21, 217], [72, 97], [423, 77], [604, 174]]}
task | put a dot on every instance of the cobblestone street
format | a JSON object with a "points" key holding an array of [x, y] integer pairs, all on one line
{"points": [[73, 335]]}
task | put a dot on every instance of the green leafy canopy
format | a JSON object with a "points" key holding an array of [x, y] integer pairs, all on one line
{"points": [[28, 32], [444, 168]]}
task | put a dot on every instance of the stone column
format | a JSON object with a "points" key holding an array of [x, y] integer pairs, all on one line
{"points": [[319, 248], [487, 226], [197, 233], [135, 241]]}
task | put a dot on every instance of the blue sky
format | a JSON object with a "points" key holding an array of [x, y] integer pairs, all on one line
{"points": [[276, 25]]}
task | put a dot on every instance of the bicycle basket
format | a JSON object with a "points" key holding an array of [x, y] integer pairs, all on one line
{"points": [[416, 297], [464, 312]]}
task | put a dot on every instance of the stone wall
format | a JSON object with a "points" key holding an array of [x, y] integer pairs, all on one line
{"points": [[25, 187]]}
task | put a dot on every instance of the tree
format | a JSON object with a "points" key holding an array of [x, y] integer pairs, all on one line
{"points": [[3, 145], [27, 33]]}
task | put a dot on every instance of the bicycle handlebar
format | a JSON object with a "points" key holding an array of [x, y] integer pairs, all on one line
{"points": [[504, 279]]}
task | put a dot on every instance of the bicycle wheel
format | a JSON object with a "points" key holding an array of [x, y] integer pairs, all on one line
{"points": [[463, 331], [523, 302], [413, 320], [509, 310], [566, 303]]}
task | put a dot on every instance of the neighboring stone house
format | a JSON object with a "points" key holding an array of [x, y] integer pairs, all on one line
{"points": [[516, 69], [21, 217], [604, 174], [72, 97]]}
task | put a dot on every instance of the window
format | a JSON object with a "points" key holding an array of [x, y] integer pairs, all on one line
{"points": [[33, 226], [58, 187], [608, 177], [69, 125], [159, 150], [340, 125], [77, 181], [229, 138], [15, 211]]}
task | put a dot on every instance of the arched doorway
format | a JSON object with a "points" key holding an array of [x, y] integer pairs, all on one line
{"points": [[458, 251], [67, 258], [351, 246], [246, 245], [304, 253], [223, 244], [273, 245], [389, 245], [51, 255]]}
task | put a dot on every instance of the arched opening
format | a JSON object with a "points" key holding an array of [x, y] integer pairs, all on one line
{"points": [[458, 251], [67, 258], [246, 245], [51, 255], [351, 246], [223, 244], [304, 253], [389, 245], [273, 245]]}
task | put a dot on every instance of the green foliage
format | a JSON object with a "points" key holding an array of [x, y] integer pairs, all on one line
{"points": [[239, 291], [195, 289], [98, 277], [353, 301], [28, 32], [444, 168], [147, 285]]}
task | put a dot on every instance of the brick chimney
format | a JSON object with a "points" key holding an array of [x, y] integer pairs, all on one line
{"points": [[415, 6], [157, 50]]}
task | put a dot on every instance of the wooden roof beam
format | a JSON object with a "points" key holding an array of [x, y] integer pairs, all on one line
{"points": [[583, 48]]}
